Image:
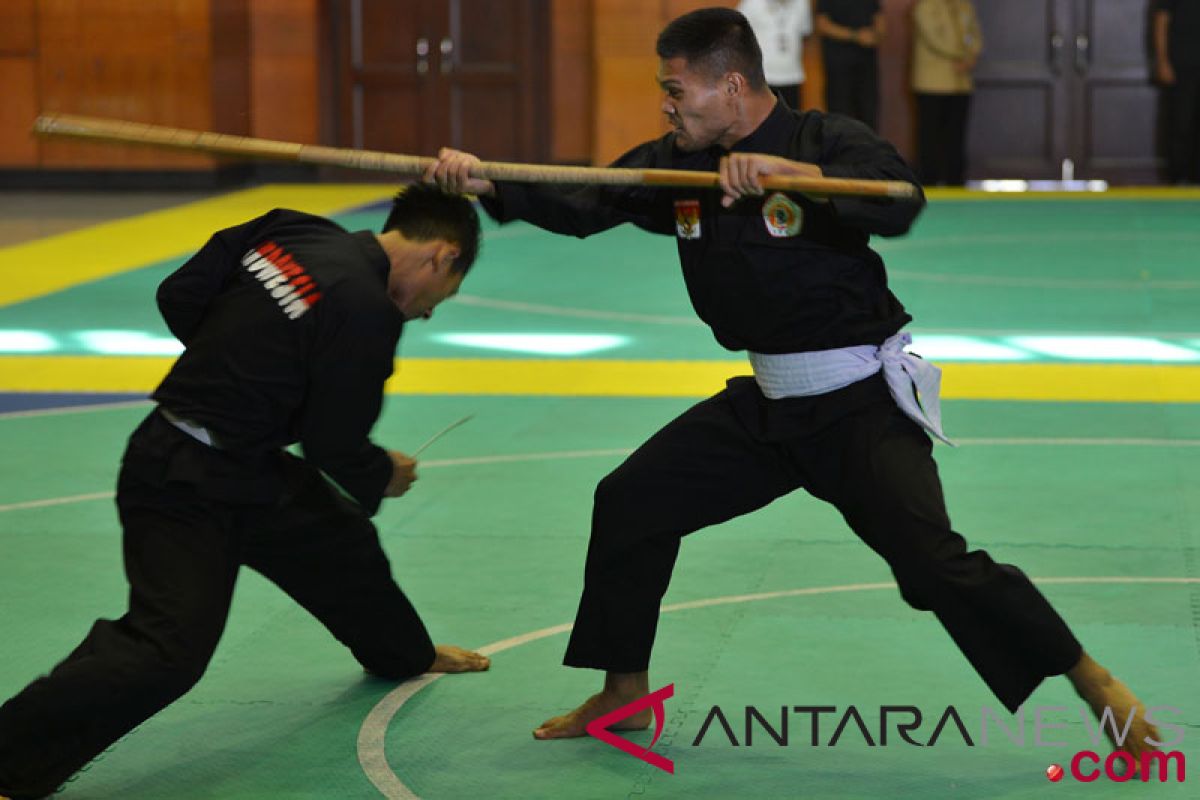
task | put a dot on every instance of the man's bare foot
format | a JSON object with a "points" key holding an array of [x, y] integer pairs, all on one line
{"points": [[456, 659], [620, 689], [1101, 690]]}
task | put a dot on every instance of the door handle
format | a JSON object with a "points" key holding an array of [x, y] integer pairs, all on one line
{"points": [[422, 56], [1056, 47], [1082, 53], [446, 46]]}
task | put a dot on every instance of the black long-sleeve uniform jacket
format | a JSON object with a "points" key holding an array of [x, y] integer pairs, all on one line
{"points": [[289, 336], [773, 274]]}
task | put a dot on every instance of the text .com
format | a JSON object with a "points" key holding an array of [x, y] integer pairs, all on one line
{"points": [[1088, 766]]}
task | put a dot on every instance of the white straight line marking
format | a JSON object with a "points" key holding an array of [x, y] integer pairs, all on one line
{"points": [[82, 408], [612, 453]]}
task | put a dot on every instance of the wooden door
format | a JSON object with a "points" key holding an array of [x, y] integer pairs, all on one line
{"points": [[414, 75], [1064, 80], [493, 70], [1019, 126], [1115, 104]]}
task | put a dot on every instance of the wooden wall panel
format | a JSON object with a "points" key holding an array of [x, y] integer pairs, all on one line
{"points": [[897, 115], [626, 96], [229, 43], [571, 96], [18, 81], [18, 30], [127, 59], [18, 76], [627, 103], [627, 27], [283, 72]]}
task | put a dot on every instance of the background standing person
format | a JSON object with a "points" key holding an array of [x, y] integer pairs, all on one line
{"points": [[1177, 67], [781, 26], [946, 44], [833, 405], [290, 325], [851, 31]]}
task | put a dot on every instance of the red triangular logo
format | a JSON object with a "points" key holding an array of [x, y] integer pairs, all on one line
{"points": [[599, 727]]}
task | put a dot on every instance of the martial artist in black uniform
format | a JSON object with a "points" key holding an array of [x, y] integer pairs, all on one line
{"points": [[792, 280], [290, 325]]}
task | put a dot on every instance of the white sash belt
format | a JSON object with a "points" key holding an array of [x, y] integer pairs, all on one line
{"points": [[913, 382]]}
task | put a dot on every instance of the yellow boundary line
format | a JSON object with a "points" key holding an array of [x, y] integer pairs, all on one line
{"points": [[43, 266], [604, 378]]}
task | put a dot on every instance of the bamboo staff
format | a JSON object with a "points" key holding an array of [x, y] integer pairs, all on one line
{"points": [[118, 131]]}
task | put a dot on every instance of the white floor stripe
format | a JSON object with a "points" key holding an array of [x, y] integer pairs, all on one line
{"points": [[1080, 442], [1024, 239], [518, 457], [619, 452], [579, 313], [919, 330], [371, 736], [1020, 282], [77, 409], [57, 501], [690, 321]]}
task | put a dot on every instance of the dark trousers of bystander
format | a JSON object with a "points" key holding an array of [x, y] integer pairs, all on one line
{"points": [[1183, 128], [942, 138], [852, 83]]}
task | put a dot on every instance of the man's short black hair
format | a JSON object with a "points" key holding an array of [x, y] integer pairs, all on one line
{"points": [[422, 212], [715, 40]]}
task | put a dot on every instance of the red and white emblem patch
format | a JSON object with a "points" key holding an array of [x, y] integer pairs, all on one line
{"points": [[687, 219]]}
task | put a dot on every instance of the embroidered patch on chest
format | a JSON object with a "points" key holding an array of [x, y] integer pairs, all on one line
{"points": [[687, 219], [783, 217]]}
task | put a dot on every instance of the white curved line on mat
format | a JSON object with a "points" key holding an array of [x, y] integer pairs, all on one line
{"points": [[570, 454], [371, 751]]}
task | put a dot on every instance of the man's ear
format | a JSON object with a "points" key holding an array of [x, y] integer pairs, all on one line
{"points": [[735, 83], [444, 255]]}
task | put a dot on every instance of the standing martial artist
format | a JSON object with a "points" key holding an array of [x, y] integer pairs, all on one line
{"points": [[290, 325], [831, 408]]}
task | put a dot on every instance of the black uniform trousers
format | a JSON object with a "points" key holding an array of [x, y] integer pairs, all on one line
{"points": [[1183, 128], [852, 83], [854, 448], [942, 138], [183, 547]]}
